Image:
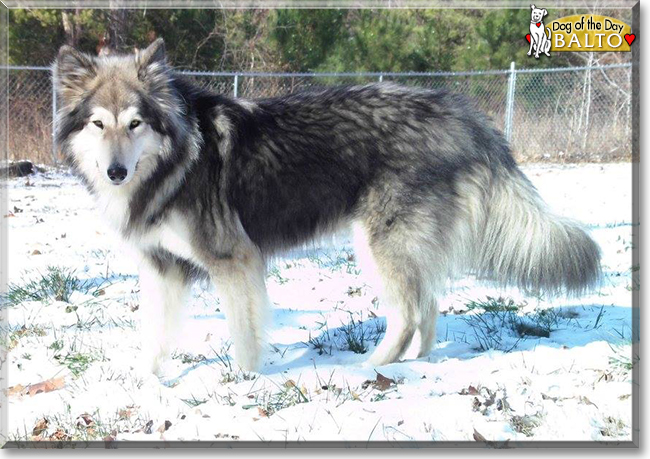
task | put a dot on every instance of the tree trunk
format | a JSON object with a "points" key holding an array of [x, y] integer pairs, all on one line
{"points": [[71, 26], [117, 26]]}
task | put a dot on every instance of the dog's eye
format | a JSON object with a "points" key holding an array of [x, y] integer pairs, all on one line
{"points": [[99, 124], [134, 124]]}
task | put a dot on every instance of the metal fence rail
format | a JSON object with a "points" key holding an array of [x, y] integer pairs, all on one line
{"points": [[563, 114]]}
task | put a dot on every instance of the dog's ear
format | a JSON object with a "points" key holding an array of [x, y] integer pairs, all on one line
{"points": [[532, 7], [73, 71], [545, 12], [152, 60]]}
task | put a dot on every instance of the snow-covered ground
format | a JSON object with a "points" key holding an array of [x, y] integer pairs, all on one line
{"points": [[73, 368]]}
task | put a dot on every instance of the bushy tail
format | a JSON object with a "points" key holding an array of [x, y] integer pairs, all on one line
{"points": [[523, 244]]}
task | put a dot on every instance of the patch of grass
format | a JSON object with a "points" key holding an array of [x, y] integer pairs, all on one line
{"points": [[495, 319], [194, 402], [525, 424], [339, 261], [622, 361], [289, 394], [321, 341], [13, 337], [229, 373], [356, 335], [613, 427], [539, 323], [275, 274], [56, 284], [76, 362], [492, 322], [494, 305], [187, 358]]}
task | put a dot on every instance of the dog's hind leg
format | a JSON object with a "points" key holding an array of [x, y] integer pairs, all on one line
{"points": [[427, 328], [164, 288], [395, 262], [240, 281]]}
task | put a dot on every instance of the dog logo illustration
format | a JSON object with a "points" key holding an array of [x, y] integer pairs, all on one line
{"points": [[539, 41]]}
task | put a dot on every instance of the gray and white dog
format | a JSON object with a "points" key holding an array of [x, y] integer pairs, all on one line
{"points": [[205, 185]]}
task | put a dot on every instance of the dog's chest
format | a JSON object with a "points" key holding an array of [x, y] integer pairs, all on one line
{"points": [[173, 235]]}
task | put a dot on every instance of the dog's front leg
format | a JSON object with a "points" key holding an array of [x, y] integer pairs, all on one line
{"points": [[164, 288], [241, 284], [532, 40]]}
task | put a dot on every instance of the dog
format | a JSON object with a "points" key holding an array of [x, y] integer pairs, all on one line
{"points": [[203, 185], [539, 41]]}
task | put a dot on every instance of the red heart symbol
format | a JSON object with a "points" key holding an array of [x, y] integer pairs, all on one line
{"points": [[528, 37], [629, 38], [538, 24]]}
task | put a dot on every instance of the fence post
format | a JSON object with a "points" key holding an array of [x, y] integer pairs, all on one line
{"points": [[54, 156], [510, 101], [381, 77], [235, 84]]}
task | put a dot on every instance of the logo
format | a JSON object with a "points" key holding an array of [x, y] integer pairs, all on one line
{"points": [[540, 42], [580, 32]]}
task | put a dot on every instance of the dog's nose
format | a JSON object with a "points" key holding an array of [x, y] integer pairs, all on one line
{"points": [[117, 173]]}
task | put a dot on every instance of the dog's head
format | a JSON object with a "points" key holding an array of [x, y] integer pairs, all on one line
{"points": [[537, 14], [116, 112]]}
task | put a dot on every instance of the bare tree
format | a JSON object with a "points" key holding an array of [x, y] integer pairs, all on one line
{"points": [[71, 26], [117, 26]]}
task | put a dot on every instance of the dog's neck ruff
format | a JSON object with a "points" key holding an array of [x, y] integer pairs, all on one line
{"points": [[151, 201]]}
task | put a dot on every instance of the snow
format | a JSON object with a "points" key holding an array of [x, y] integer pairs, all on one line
{"points": [[574, 385]]}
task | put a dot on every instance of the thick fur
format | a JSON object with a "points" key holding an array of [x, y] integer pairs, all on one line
{"points": [[216, 186]]}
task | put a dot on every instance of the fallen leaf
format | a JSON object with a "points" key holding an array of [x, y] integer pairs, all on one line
{"points": [[85, 421], [36, 252], [40, 427], [584, 400], [383, 383], [548, 397], [262, 412], [60, 435], [164, 427], [15, 390], [289, 384], [478, 437], [42, 387], [471, 390], [111, 437]]}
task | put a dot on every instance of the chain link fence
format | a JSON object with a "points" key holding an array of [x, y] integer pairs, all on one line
{"points": [[556, 115]]}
